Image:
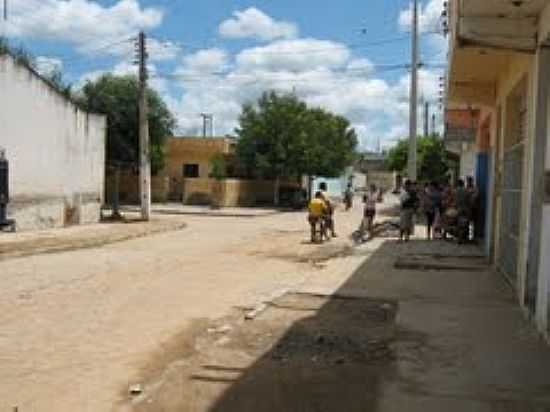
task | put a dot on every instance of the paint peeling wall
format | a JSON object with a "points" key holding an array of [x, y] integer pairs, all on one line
{"points": [[56, 152]]}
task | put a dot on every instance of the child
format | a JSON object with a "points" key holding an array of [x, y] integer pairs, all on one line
{"points": [[317, 212]]}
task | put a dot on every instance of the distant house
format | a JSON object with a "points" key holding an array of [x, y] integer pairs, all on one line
{"points": [[190, 158], [56, 151]]}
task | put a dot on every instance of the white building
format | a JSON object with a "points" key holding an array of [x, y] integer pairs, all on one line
{"points": [[55, 150]]}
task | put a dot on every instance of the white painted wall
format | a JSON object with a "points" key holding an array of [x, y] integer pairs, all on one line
{"points": [[56, 151], [468, 160]]}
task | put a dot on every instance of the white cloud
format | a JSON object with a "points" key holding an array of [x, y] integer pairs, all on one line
{"points": [[83, 23], [253, 23], [205, 61], [46, 66], [429, 17], [333, 79], [297, 55]]}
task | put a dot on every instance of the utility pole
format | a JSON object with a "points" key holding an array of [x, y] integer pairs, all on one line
{"points": [[412, 168], [5, 10], [426, 118], [207, 124], [144, 155]]}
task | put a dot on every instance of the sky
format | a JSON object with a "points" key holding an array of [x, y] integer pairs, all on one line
{"points": [[212, 56]]}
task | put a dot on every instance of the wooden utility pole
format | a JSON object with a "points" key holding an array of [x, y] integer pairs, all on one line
{"points": [[413, 121], [144, 151]]}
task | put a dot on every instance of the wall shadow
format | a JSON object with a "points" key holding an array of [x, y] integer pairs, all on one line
{"points": [[335, 359]]}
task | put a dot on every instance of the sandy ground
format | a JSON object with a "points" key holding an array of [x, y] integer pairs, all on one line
{"points": [[428, 326], [77, 327]]}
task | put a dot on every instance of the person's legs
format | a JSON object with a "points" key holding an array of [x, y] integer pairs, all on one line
{"points": [[332, 230], [313, 228], [429, 224]]}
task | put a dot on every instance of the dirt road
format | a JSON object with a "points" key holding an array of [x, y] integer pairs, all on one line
{"points": [[78, 327]]}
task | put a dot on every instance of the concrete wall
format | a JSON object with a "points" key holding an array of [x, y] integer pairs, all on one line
{"points": [[128, 188], [385, 180], [56, 152], [228, 192]]}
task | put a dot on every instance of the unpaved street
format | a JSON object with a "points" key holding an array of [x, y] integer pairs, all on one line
{"points": [[78, 327], [238, 314]]}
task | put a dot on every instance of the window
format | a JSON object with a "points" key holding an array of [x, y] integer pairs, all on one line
{"points": [[191, 170]]}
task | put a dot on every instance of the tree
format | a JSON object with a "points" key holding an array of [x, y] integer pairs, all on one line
{"points": [[117, 97], [432, 158], [281, 137]]}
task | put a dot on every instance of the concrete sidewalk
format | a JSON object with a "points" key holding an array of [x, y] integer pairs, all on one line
{"points": [[456, 342]]}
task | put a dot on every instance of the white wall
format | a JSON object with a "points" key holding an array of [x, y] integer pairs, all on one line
{"points": [[56, 151], [468, 160]]}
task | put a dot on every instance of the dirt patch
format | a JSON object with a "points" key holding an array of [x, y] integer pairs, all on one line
{"points": [[298, 344], [307, 253]]}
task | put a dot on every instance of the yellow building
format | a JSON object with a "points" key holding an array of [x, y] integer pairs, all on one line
{"points": [[189, 165], [499, 64]]}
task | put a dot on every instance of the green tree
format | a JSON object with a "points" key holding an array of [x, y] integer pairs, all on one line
{"points": [[117, 97], [280, 137], [218, 164], [432, 158]]}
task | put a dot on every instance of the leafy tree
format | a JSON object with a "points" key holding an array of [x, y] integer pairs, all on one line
{"points": [[117, 97], [398, 156], [432, 158], [219, 166], [281, 137]]}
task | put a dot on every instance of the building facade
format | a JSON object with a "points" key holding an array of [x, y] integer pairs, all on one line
{"points": [[499, 65], [189, 166], [55, 150]]}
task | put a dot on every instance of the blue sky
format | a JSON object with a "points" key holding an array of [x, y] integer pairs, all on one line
{"points": [[214, 55]]}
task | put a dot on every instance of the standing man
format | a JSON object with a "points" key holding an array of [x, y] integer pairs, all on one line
{"points": [[369, 213], [330, 208], [408, 204], [473, 194], [463, 206]]}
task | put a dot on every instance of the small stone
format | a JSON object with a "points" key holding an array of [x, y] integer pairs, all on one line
{"points": [[224, 329], [136, 390], [340, 361], [387, 307]]}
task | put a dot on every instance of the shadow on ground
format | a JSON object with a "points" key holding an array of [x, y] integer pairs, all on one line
{"points": [[392, 338]]}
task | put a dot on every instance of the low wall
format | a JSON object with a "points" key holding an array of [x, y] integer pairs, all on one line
{"points": [[128, 188], [227, 192], [197, 191], [385, 180]]}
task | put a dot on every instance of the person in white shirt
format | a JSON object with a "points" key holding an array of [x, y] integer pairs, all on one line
{"points": [[369, 212]]}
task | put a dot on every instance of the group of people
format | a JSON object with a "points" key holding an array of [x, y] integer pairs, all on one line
{"points": [[321, 212], [447, 209]]}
